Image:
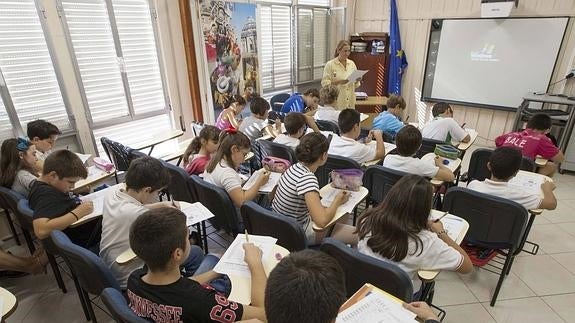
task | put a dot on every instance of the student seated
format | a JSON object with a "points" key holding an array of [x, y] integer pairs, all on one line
{"points": [[347, 145], [399, 231], [297, 193], [504, 164], [296, 124], [228, 117], [55, 208], [304, 278], [328, 97], [256, 125], [145, 178], [18, 165], [160, 238], [389, 121], [43, 136], [408, 142], [443, 127], [301, 103], [533, 141], [200, 150], [222, 168]]}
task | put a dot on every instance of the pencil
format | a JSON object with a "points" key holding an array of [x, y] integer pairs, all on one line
{"points": [[441, 217], [247, 236]]}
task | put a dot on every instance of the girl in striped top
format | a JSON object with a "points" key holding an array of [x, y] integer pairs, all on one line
{"points": [[297, 193]]}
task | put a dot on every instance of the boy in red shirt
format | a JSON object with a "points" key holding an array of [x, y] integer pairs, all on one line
{"points": [[533, 142]]}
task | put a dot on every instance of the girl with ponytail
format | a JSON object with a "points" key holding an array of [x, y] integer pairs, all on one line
{"points": [[200, 150]]}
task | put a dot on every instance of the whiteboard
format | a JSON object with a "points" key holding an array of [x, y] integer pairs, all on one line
{"points": [[491, 62]]}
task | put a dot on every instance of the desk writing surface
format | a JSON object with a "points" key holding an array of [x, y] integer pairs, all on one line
{"points": [[95, 175], [388, 147], [182, 146], [472, 137], [372, 100], [97, 199], [158, 139], [530, 182], [453, 165], [354, 200], [8, 303], [540, 161]]}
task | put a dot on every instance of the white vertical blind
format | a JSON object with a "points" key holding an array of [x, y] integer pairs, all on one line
{"points": [[276, 47], [320, 39], [5, 126], [91, 34], [138, 45], [27, 67], [305, 47], [317, 3]]}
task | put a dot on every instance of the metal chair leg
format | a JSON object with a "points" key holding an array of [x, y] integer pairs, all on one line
{"points": [[12, 228], [89, 306], [83, 301], [57, 274], [506, 268]]}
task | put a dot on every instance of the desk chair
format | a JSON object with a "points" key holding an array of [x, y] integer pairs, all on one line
{"points": [[326, 125], [28, 215], [178, 188], [135, 154], [277, 101], [118, 154], [428, 146], [270, 148], [116, 303], [217, 200], [93, 275], [478, 165], [334, 162], [261, 221], [494, 223], [9, 203], [360, 269], [379, 180]]}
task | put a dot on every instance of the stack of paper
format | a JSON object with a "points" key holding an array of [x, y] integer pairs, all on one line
{"points": [[266, 188], [376, 308], [195, 213], [232, 262], [354, 199]]}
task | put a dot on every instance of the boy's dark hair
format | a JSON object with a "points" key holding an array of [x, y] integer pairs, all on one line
{"points": [[65, 164], [347, 119], [312, 92], [440, 108], [259, 106], [307, 286], [156, 234], [505, 162], [539, 121], [147, 171], [41, 129], [311, 147], [395, 100], [294, 121], [408, 140]]}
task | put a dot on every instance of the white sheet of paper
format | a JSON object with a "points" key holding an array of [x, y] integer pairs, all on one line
{"points": [[232, 262], [528, 181], [376, 308], [195, 212], [97, 199], [430, 158], [266, 188], [363, 117], [1, 309], [356, 75], [452, 224], [83, 157], [348, 206]]}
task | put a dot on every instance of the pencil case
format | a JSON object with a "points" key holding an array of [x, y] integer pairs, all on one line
{"points": [[347, 179], [275, 164], [446, 151], [103, 164]]}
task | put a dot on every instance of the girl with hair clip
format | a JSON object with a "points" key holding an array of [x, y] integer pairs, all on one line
{"points": [[222, 168], [200, 150], [399, 231], [297, 193], [18, 165], [227, 118]]}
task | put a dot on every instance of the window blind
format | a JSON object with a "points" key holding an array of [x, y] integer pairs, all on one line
{"points": [[316, 3], [5, 126], [320, 39], [27, 68], [276, 47]]}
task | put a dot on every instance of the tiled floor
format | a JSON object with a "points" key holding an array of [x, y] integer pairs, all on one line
{"points": [[540, 288]]}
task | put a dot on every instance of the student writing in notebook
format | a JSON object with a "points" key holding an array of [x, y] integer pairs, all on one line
{"points": [[222, 168], [399, 231], [124, 203], [443, 127], [504, 163], [161, 294], [297, 193], [296, 124], [408, 142], [200, 150]]}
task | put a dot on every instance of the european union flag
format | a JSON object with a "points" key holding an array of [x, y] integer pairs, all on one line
{"points": [[398, 61]]}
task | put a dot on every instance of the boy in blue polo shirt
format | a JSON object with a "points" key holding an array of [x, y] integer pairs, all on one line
{"points": [[388, 121], [298, 102]]}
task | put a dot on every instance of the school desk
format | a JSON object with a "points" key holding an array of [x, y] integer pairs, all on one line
{"points": [[158, 139], [453, 166], [463, 146], [388, 147], [179, 153], [8, 302], [358, 197], [95, 176], [540, 161], [242, 286]]}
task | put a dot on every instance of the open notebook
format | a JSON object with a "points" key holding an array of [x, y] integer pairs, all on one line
{"points": [[451, 223], [266, 188]]}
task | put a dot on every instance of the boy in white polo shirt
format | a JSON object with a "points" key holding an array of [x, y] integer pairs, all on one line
{"points": [[295, 123], [408, 141], [504, 164], [443, 127], [347, 145], [124, 204]]}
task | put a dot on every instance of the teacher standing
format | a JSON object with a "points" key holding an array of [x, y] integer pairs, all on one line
{"points": [[336, 72]]}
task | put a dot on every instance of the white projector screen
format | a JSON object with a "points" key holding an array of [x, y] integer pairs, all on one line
{"points": [[491, 62]]}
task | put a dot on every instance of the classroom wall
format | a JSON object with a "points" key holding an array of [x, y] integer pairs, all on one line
{"points": [[415, 18]]}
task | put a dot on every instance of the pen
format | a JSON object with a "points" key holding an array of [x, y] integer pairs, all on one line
{"points": [[463, 125], [247, 236], [406, 118], [441, 217]]}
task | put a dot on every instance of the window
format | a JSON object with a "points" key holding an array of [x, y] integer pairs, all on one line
{"points": [[312, 38], [29, 86], [276, 47], [116, 56]]}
